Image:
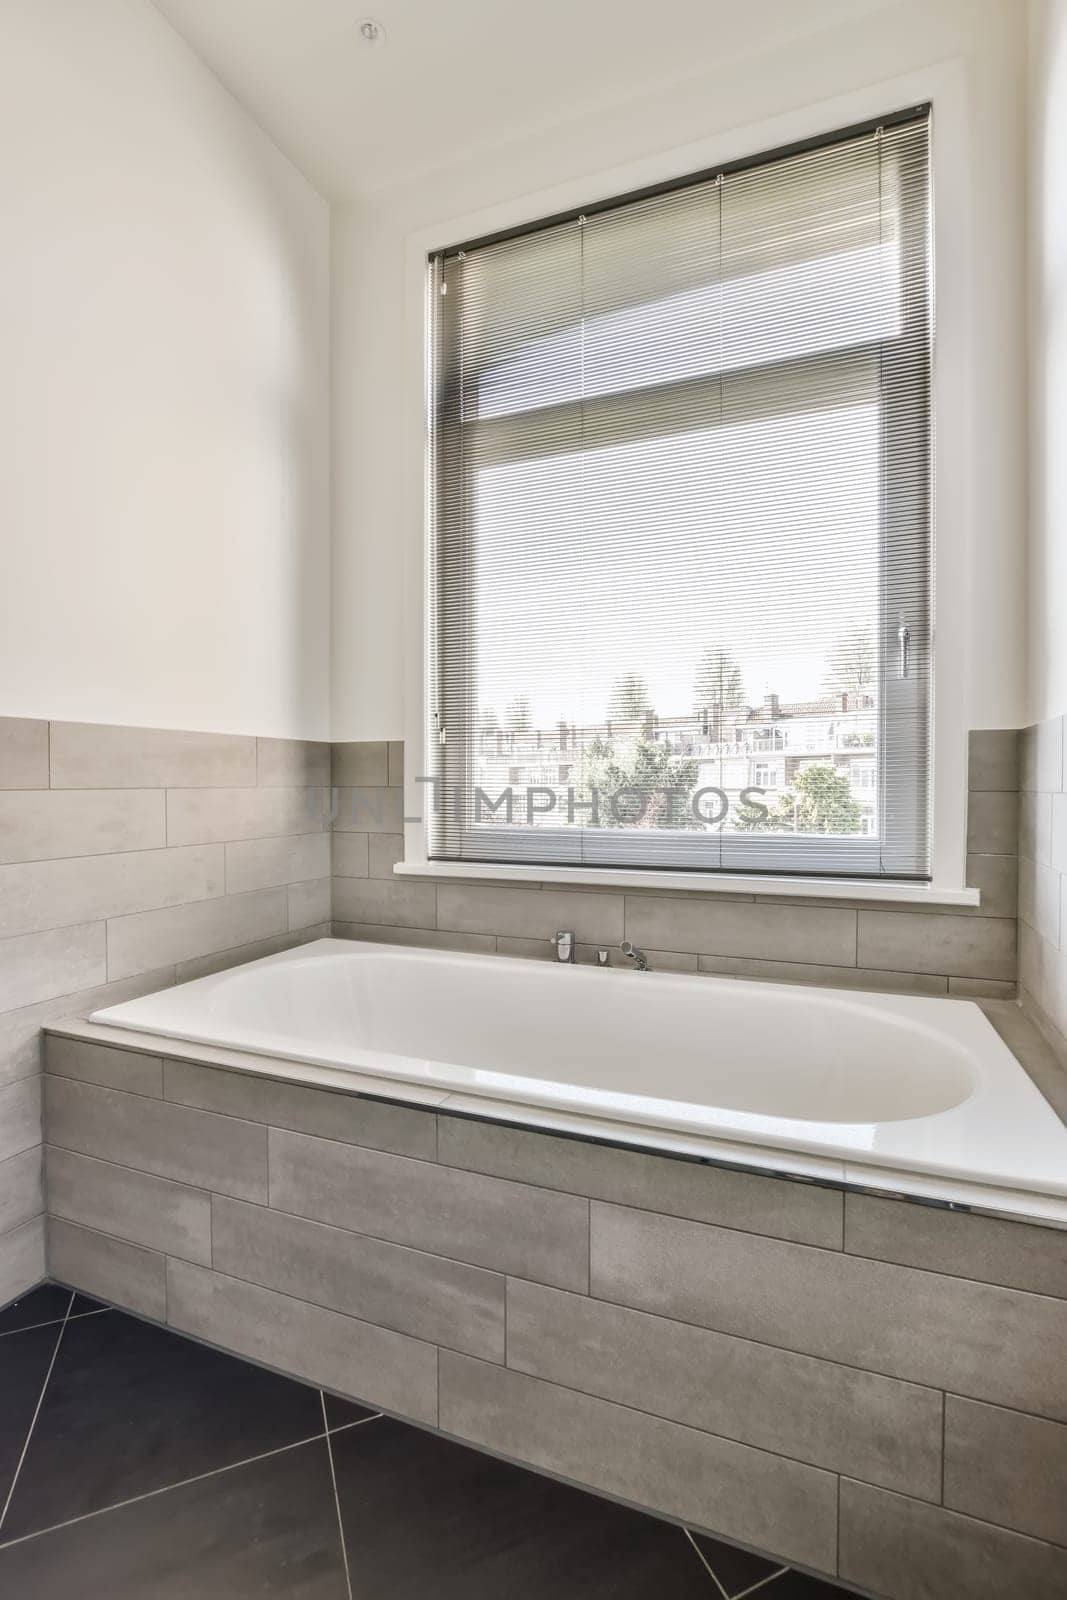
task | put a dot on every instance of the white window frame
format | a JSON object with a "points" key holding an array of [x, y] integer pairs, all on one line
{"points": [[942, 85]]}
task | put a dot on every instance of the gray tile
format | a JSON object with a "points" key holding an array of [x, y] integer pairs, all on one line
{"points": [[831, 1416], [345, 1118], [1035, 826], [23, 753], [213, 816], [1057, 850], [1039, 899], [1041, 756], [154, 938], [129, 1070], [36, 895], [288, 763], [20, 1117], [997, 879], [361, 764], [40, 966], [89, 755], [1043, 976], [596, 918], [386, 849], [1017, 1255], [396, 763], [744, 1494], [430, 938], [816, 935], [363, 809], [352, 1358], [444, 1302], [1007, 1468], [309, 903], [112, 1269], [900, 1547], [948, 1333], [925, 941], [992, 823], [394, 902], [238, 955], [20, 1030], [350, 856], [993, 759], [828, 977], [982, 988], [125, 1204], [268, 863], [743, 1200], [40, 825], [22, 1260], [172, 1141], [20, 1189], [508, 1227]]}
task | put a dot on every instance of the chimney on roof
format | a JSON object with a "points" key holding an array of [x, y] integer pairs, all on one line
{"points": [[770, 705]]}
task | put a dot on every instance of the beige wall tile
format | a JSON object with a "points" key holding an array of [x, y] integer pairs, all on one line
{"points": [[20, 1117], [129, 1070], [444, 1302], [386, 849], [268, 863], [1007, 1468], [126, 1204], [992, 823], [347, 1118], [39, 825], [350, 853], [507, 1227], [1035, 826], [38, 966], [380, 933], [212, 816], [222, 960], [922, 941], [1041, 756], [87, 755], [396, 762], [997, 879], [23, 753], [288, 763], [901, 1547], [36, 895], [361, 764], [1039, 899], [831, 1416], [371, 1364], [749, 1495], [982, 988], [799, 1211], [171, 1141], [770, 933], [393, 902], [20, 1030], [21, 1192], [826, 977], [1057, 853], [989, 1343], [993, 759], [22, 1259], [368, 810], [126, 1274], [310, 904], [1019, 1255], [154, 938], [530, 913]]}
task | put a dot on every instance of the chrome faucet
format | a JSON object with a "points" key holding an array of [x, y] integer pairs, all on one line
{"points": [[638, 957], [564, 943]]}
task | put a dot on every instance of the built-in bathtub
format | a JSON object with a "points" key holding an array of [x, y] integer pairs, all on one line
{"points": [[915, 1094]]}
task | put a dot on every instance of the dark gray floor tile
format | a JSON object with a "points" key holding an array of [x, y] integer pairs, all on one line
{"points": [[425, 1516], [339, 1413], [798, 1586], [24, 1358], [47, 1304], [131, 1407], [265, 1529], [735, 1569]]}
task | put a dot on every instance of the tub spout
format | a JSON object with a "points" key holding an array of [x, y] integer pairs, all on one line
{"points": [[638, 957]]}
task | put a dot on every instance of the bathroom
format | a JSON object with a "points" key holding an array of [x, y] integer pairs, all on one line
{"points": [[533, 799]]}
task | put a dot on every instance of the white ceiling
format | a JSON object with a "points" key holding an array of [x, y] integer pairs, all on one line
{"points": [[456, 75]]}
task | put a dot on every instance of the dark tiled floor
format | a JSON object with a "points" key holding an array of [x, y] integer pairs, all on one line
{"points": [[136, 1463]]}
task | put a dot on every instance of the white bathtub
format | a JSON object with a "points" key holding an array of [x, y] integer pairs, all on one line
{"points": [[919, 1095]]}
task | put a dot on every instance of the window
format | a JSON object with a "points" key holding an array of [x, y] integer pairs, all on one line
{"points": [[765, 776], [680, 508]]}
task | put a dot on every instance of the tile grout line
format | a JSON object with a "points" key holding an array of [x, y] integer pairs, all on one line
{"points": [[36, 1414], [763, 1583], [52, 1322], [336, 1497], [706, 1564]]}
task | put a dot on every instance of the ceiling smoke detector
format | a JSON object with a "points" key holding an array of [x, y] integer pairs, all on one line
{"points": [[371, 31]]}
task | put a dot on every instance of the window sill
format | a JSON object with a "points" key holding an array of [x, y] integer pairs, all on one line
{"points": [[920, 894]]}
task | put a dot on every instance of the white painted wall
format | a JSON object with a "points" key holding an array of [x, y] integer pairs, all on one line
{"points": [[982, 44], [164, 388], [1047, 167]]}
